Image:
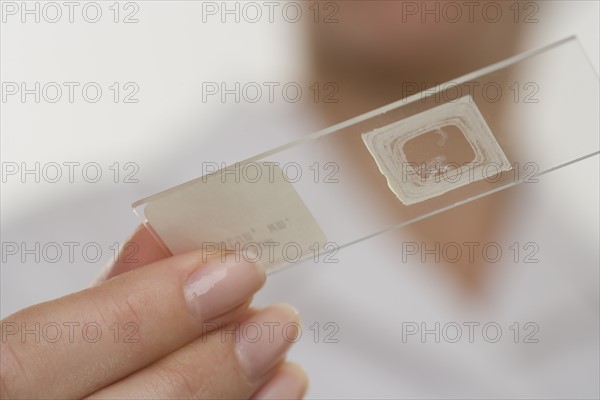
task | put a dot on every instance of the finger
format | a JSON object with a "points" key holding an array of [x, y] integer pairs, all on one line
{"points": [[289, 382], [140, 249], [232, 362], [80, 343]]}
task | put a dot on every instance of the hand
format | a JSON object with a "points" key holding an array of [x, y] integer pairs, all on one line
{"points": [[158, 327]]}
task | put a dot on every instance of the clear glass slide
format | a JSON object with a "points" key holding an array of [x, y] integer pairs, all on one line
{"points": [[439, 148]]}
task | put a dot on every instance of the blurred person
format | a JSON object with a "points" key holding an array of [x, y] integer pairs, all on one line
{"points": [[371, 55]]}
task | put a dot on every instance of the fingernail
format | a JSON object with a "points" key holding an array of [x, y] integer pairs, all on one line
{"points": [[265, 338], [221, 284], [290, 382]]}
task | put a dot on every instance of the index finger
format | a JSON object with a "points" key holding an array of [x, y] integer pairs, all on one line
{"points": [[140, 249]]}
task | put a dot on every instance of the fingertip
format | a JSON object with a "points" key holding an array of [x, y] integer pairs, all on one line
{"points": [[289, 382], [300, 376]]}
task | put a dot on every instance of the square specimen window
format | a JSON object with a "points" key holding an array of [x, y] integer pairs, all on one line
{"points": [[438, 150]]}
